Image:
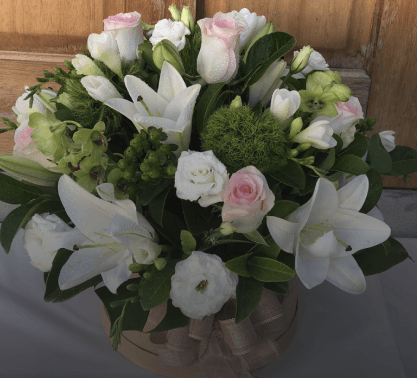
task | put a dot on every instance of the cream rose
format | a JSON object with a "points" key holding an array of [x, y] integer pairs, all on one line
{"points": [[174, 31], [201, 285]]}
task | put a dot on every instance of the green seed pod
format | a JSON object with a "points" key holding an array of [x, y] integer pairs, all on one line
{"points": [[130, 152], [123, 164]]}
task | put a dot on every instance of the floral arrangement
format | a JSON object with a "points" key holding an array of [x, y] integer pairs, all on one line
{"points": [[190, 153]]}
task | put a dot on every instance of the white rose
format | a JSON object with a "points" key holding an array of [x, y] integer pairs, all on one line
{"points": [[200, 175], [284, 103], [85, 66], [316, 62], [174, 31], [100, 88], [388, 139], [44, 235], [22, 109], [201, 285]]}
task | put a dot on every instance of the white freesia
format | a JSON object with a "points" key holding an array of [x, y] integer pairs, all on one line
{"points": [[174, 31], [316, 62], [100, 88], [22, 109], [85, 66], [116, 233], [388, 139], [170, 108], [201, 285], [104, 48], [263, 89], [284, 103], [200, 176], [326, 231], [318, 134], [44, 235]]}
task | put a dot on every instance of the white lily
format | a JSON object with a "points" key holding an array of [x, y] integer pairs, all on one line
{"points": [[115, 231], [318, 134], [170, 108], [326, 231]]}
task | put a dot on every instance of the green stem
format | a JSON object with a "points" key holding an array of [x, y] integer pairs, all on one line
{"points": [[285, 80], [112, 156]]}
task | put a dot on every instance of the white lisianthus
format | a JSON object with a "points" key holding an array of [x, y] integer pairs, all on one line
{"points": [[284, 103], [200, 176], [44, 235], [85, 66], [388, 139], [201, 285], [100, 88], [174, 31], [316, 62], [318, 134], [104, 48], [263, 89], [22, 109]]}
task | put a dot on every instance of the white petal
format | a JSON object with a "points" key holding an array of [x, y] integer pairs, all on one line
{"points": [[345, 273], [113, 278], [181, 103], [283, 232], [324, 246], [312, 270], [127, 108], [170, 83], [353, 195], [127, 231], [52, 241], [106, 192]]}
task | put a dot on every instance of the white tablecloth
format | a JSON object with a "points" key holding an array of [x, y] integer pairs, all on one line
{"points": [[339, 335]]}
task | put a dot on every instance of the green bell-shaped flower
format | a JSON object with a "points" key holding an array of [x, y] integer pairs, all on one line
{"points": [[92, 141], [317, 101]]}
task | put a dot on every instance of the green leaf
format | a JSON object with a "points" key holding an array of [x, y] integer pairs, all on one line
{"points": [[238, 265], [269, 270], [283, 208], [248, 296], [379, 157], [339, 141], [387, 246], [156, 289], [291, 174], [146, 48], [14, 221], [147, 194], [358, 147], [287, 259], [310, 184], [196, 223], [374, 260], [271, 251], [52, 291], [207, 105], [329, 161], [404, 161], [256, 237], [277, 287], [64, 115], [13, 191], [374, 192], [188, 242], [174, 318], [266, 51], [350, 164], [157, 205]]}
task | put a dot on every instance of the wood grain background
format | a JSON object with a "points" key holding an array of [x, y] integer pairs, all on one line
{"points": [[369, 38]]}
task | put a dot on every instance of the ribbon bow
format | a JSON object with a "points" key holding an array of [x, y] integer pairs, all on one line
{"points": [[222, 348]]}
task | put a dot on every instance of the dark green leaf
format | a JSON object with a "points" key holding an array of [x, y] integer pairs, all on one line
{"points": [[358, 147], [379, 157], [404, 161], [374, 192], [271, 251], [16, 192], [207, 104], [196, 223], [283, 208], [291, 174], [339, 141], [146, 48], [287, 259], [157, 205], [64, 115], [329, 161], [146, 195], [256, 237], [269, 270], [156, 289], [174, 318], [374, 260], [310, 185], [277, 287], [238, 265], [248, 296], [350, 164]]}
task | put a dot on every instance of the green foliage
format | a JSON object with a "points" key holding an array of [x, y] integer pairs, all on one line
{"points": [[271, 250], [248, 296], [374, 192], [195, 220], [379, 157], [157, 205], [207, 105], [238, 265], [283, 208], [350, 164], [277, 287], [269, 270], [358, 147], [188, 242], [404, 161], [291, 174], [239, 137], [13, 191], [174, 318]]}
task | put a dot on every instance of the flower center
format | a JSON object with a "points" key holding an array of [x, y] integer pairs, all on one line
{"points": [[202, 285], [316, 105], [310, 233]]}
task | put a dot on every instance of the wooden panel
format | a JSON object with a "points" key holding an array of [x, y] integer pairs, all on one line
{"points": [[340, 30], [59, 26], [393, 60]]}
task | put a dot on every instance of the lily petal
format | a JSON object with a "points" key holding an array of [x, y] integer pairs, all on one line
{"points": [[312, 270], [353, 195], [113, 278], [182, 103], [127, 231], [345, 273], [170, 83], [127, 108], [106, 192], [325, 203], [324, 246], [283, 232]]}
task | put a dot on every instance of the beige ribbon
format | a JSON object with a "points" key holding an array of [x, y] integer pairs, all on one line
{"points": [[222, 348]]}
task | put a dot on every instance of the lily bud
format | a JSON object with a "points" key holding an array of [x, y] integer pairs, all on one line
{"points": [[165, 51], [237, 102], [175, 13], [342, 92], [226, 228], [160, 263], [187, 18], [85, 66], [295, 127], [300, 61]]}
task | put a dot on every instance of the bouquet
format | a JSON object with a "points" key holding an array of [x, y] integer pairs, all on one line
{"points": [[186, 164]]}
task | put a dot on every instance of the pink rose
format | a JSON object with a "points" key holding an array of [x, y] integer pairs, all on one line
{"points": [[127, 31], [218, 58], [247, 199]]}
